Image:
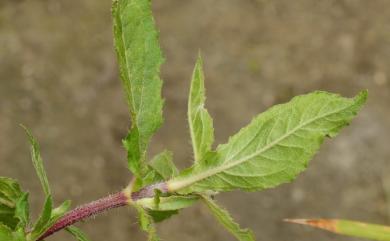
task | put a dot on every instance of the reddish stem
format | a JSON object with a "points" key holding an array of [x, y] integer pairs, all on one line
{"points": [[85, 211], [112, 201]]}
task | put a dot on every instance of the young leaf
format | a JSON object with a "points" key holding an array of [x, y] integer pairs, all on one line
{"points": [[139, 57], [200, 122], [49, 215], [5, 232], [168, 203], [274, 148], [163, 165], [227, 221], [7, 216], [146, 223], [22, 211], [10, 193], [57, 213], [166, 206], [77, 233], [159, 216], [18, 235], [44, 219], [9, 190], [160, 168], [38, 163], [60, 210], [349, 228]]}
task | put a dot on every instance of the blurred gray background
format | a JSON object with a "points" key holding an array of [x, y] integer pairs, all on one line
{"points": [[58, 75]]}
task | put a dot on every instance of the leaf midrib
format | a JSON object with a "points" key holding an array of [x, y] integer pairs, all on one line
{"points": [[128, 73], [7, 203], [195, 109], [179, 184]]}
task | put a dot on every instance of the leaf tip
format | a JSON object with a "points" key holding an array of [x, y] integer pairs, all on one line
{"points": [[361, 98], [326, 224], [27, 131], [200, 59]]}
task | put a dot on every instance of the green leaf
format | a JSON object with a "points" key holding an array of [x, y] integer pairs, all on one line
{"points": [[227, 221], [159, 216], [151, 177], [38, 162], [7, 216], [5, 233], [139, 57], [58, 212], [274, 148], [168, 203], [48, 217], [146, 223], [22, 211], [10, 193], [157, 196], [43, 221], [135, 153], [200, 122], [160, 168], [349, 228], [167, 206], [77, 233], [163, 165], [19, 235]]}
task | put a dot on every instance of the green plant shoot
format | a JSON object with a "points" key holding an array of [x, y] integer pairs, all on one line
{"points": [[271, 150]]}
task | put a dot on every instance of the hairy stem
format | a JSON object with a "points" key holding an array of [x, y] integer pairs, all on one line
{"points": [[116, 200]]}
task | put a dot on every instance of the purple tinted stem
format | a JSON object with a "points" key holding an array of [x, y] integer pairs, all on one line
{"points": [[112, 201], [85, 211]]}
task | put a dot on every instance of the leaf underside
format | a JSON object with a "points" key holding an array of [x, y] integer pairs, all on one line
{"points": [[41, 224], [161, 168], [146, 223], [170, 203], [38, 162], [227, 221], [77, 233], [139, 57], [49, 214], [8, 234], [200, 121], [14, 208], [274, 147]]}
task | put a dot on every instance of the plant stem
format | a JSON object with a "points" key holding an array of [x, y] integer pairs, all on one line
{"points": [[116, 200]]}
